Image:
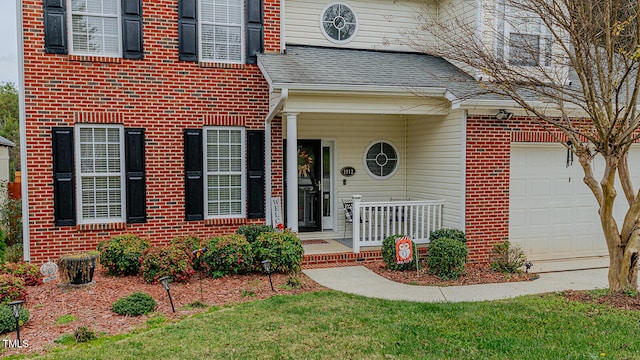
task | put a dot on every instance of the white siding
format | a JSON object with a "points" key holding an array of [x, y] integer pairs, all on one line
{"points": [[383, 24], [436, 157]]}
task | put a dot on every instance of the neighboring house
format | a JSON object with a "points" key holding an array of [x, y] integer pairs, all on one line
{"points": [[184, 117]]}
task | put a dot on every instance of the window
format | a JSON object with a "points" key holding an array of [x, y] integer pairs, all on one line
{"points": [[225, 193], [523, 38], [100, 173], [95, 27], [381, 159], [221, 30], [339, 23]]}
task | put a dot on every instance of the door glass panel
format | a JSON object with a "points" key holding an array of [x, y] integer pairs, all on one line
{"points": [[326, 181]]}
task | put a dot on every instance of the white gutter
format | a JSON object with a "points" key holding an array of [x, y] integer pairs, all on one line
{"points": [[396, 90], [26, 240], [267, 150]]}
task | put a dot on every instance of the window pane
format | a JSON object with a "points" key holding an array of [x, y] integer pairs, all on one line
{"points": [[524, 49], [224, 172], [95, 27]]}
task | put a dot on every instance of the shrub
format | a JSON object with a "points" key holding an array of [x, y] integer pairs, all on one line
{"points": [[11, 219], [454, 234], [253, 231], [283, 249], [136, 304], [170, 261], [389, 254], [193, 247], [446, 258], [29, 273], [83, 334], [228, 254], [14, 253], [11, 288], [8, 322], [506, 257], [121, 254]]}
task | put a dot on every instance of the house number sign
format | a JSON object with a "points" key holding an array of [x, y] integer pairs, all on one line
{"points": [[347, 171]]}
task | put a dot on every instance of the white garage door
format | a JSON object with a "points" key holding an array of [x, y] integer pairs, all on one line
{"points": [[552, 213]]}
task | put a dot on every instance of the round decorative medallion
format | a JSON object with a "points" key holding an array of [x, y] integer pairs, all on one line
{"points": [[339, 23]]}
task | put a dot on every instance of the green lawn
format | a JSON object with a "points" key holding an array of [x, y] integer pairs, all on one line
{"points": [[332, 325]]}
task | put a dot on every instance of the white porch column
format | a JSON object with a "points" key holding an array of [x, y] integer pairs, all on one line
{"points": [[356, 222], [292, 171]]}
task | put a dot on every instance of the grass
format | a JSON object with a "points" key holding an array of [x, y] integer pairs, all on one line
{"points": [[65, 319], [332, 325]]}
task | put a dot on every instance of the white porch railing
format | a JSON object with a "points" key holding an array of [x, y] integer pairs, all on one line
{"points": [[380, 219]]}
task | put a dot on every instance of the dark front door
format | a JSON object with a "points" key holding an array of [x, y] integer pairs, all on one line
{"points": [[309, 182]]}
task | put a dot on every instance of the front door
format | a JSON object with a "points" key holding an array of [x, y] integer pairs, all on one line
{"points": [[309, 185]]}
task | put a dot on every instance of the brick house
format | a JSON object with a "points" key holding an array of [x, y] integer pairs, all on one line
{"points": [[189, 117]]}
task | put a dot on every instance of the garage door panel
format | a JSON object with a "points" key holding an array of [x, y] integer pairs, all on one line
{"points": [[562, 216], [538, 187]]}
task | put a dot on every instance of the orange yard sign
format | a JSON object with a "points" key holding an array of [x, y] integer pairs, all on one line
{"points": [[404, 250]]}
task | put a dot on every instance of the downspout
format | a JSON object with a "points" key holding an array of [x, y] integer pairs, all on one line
{"points": [[26, 243], [283, 40], [268, 168]]}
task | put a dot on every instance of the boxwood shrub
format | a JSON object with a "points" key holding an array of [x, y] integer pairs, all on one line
{"points": [[138, 303], [446, 258], [228, 254], [8, 322], [170, 261], [389, 254], [283, 249], [121, 254], [448, 233]]}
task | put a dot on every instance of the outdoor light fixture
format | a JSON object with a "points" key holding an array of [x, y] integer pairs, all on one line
{"points": [[504, 115], [16, 306], [528, 265], [266, 265], [165, 284]]}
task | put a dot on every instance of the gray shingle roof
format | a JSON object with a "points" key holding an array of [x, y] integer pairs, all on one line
{"points": [[333, 66], [6, 142]]}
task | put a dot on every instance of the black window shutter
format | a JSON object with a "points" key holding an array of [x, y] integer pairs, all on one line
{"points": [[135, 175], [64, 199], [132, 29], [55, 27], [194, 181], [255, 171], [187, 30], [255, 37]]}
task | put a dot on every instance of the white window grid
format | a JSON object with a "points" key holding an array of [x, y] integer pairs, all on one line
{"points": [[94, 26], [225, 174], [221, 31], [380, 163], [100, 182]]}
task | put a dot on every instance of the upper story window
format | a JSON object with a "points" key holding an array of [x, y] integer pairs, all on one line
{"points": [[221, 30], [339, 23], [523, 39], [95, 27]]}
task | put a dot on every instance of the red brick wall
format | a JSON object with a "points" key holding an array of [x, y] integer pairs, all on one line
{"points": [[159, 93], [488, 157]]}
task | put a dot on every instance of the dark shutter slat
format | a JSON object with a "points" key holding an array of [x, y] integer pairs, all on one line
{"points": [[55, 27], [187, 30], [132, 29], [194, 181], [255, 33], [255, 171], [135, 175], [64, 200]]}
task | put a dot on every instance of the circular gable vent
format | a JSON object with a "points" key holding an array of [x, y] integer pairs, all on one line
{"points": [[339, 23]]}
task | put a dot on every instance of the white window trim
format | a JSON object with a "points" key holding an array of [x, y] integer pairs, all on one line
{"points": [[243, 173], [242, 35], [70, 14], [364, 159], [543, 35], [78, 170]]}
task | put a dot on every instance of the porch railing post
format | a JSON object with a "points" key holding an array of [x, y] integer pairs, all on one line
{"points": [[356, 222]]}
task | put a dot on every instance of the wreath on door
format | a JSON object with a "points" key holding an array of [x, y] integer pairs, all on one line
{"points": [[305, 162]]}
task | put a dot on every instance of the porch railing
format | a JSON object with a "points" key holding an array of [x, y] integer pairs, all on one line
{"points": [[380, 219]]}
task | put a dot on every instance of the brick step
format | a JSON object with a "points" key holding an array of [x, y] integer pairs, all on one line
{"points": [[312, 261]]}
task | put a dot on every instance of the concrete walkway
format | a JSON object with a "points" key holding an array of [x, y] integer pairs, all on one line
{"points": [[361, 281]]}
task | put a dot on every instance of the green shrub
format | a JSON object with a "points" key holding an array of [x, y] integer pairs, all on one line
{"points": [[454, 234], [228, 254], [253, 231], [14, 253], [121, 254], [389, 254], [11, 288], [446, 258], [136, 304], [8, 322], [11, 220], [83, 334], [163, 261], [29, 273], [193, 247], [3, 246], [506, 257], [283, 249]]}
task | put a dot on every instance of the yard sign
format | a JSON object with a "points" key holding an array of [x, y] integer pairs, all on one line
{"points": [[404, 250]]}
